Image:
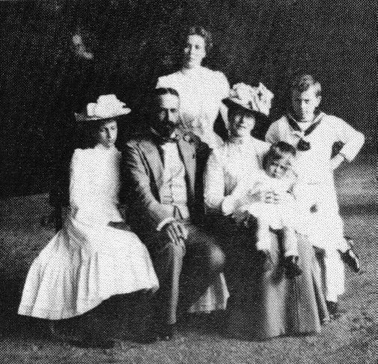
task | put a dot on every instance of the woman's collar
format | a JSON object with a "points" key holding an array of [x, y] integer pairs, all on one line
{"points": [[101, 147], [240, 140], [192, 71]]}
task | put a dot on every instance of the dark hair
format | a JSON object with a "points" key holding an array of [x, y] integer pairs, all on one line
{"points": [[205, 34], [153, 101], [90, 131], [154, 95], [278, 151], [235, 109], [164, 91], [302, 83]]}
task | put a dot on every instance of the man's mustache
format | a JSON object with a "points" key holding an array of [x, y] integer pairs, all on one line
{"points": [[169, 125]]}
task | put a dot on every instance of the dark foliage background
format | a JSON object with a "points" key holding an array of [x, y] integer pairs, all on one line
{"points": [[134, 42]]}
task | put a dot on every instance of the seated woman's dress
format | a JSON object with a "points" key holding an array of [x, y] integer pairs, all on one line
{"points": [[201, 92], [88, 261], [263, 304]]}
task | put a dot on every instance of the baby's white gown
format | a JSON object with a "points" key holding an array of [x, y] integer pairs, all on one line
{"points": [[87, 261]]}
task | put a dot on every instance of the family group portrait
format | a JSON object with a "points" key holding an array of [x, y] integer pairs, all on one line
{"points": [[188, 181]]}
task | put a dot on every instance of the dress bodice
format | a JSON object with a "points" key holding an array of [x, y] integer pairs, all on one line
{"points": [[228, 166], [95, 184], [201, 92]]}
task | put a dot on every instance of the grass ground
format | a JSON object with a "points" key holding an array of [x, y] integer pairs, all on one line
{"points": [[353, 338]]}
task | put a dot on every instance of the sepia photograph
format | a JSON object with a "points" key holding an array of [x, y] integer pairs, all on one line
{"points": [[188, 182]]}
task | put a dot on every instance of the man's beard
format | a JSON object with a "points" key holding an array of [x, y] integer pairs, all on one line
{"points": [[166, 130]]}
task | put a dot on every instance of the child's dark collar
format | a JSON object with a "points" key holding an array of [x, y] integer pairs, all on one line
{"points": [[295, 125], [304, 145]]}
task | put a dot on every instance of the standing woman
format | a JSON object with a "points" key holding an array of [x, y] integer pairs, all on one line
{"points": [[94, 256], [201, 90]]}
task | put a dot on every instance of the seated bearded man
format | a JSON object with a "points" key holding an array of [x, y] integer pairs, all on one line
{"points": [[162, 176]]}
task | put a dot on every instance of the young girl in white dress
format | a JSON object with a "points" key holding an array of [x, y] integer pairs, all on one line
{"points": [[314, 133], [93, 257], [278, 178]]}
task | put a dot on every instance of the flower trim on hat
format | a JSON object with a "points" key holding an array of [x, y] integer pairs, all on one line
{"points": [[254, 98]]}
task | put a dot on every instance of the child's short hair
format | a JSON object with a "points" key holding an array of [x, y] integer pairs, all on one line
{"points": [[278, 151], [302, 83]]}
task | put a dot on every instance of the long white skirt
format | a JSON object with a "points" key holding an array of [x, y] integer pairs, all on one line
{"points": [[82, 266]]}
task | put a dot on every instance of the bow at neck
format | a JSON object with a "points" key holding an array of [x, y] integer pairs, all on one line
{"points": [[174, 138], [304, 145]]}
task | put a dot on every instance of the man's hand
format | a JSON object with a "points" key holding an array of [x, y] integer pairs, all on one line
{"points": [[176, 232], [241, 218]]}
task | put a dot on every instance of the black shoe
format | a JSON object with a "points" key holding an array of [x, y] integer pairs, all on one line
{"points": [[350, 257], [146, 338], [319, 252], [266, 259], [292, 269], [166, 332], [333, 310]]}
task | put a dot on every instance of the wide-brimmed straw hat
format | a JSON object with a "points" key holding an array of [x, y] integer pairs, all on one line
{"points": [[106, 107], [253, 99]]}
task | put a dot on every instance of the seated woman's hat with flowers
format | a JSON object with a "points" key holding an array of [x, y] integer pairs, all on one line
{"points": [[257, 99], [106, 107]]}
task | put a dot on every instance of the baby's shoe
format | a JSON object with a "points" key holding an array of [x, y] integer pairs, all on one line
{"points": [[292, 269], [350, 257], [266, 259]]}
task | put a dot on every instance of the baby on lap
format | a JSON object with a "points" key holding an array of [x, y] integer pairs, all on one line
{"points": [[267, 196]]}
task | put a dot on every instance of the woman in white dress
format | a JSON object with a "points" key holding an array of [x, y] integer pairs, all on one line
{"points": [[93, 257], [201, 90]]}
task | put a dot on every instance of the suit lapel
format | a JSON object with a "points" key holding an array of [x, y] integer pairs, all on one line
{"points": [[154, 160], [151, 152], [188, 156]]}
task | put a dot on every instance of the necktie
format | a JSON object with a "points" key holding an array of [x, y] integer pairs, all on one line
{"points": [[303, 145]]}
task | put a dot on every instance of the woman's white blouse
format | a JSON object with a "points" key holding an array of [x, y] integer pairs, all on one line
{"points": [[95, 184], [201, 92], [228, 166]]}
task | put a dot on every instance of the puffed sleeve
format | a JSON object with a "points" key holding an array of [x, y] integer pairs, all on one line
{"points": [[160, 82], [273, 133], [352, 139], [224, 91], [214, 185], [164, 81], [78, 185], [224, 86]]}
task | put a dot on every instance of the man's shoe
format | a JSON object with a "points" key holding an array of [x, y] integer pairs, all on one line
{"points": [[266, 259], [292, 269], [146, 338], [166, 332], [350, 257]]}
